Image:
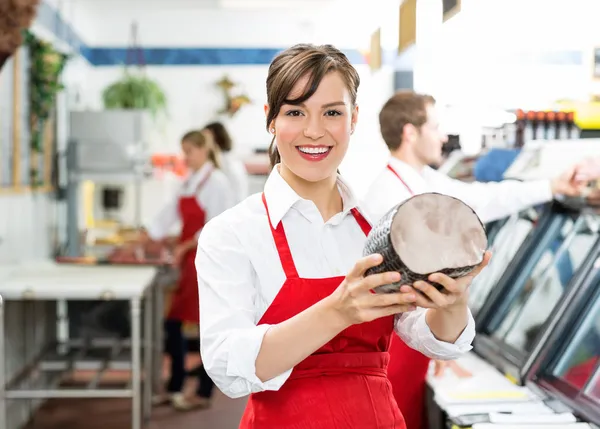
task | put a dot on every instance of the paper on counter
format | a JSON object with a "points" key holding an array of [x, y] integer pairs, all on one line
{"points": [[537, 408], [518, 418], [515, 394]]}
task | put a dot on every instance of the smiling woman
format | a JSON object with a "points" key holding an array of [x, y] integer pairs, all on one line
{"points": [[280, 319], [311, 121]]}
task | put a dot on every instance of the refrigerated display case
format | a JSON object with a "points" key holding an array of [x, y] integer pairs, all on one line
{"points": [[521, 306], [566, 367]]}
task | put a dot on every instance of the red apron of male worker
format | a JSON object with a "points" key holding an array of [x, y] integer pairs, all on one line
{"points": [[343, 385], [184, 303], [408, 371]]}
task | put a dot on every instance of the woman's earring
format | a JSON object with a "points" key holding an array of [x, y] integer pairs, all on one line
{"points": [[272, 130]]}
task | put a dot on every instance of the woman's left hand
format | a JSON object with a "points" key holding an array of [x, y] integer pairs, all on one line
{"points": [[454, 292]]}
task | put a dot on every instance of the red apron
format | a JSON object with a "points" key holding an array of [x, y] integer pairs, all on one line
{"points": [[184, 303], [408, 371], [343, 385]]}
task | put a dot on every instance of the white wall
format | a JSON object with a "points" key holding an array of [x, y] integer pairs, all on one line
{"points": [[492, 52]]}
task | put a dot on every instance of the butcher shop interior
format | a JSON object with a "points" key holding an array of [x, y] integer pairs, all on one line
{"points": [[146, 146]]}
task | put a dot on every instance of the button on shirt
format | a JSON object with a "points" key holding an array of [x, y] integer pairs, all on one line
{"points": [[491, 201], [214, 196], [240, 273]]}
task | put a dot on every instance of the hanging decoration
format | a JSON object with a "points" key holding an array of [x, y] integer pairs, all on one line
{"points": [[135, 90], [46, 66], [233, 102], [15, 16]]}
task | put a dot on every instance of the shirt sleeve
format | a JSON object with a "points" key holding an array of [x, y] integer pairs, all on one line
{"points": [[494, 200], [412, 327], [161, 225], [229, 336]]}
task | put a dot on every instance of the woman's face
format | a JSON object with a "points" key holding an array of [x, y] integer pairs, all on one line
{"points": [[312, 138], [194, 156]]}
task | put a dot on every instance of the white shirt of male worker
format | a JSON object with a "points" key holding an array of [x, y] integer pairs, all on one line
{"points": [[240, 274], [214, 196], [422, 147]]}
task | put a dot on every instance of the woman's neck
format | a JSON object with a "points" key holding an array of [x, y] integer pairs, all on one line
{"points": [[325, 193]]}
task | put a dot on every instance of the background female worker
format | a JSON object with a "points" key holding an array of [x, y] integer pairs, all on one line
{"points": [[205, 193]]}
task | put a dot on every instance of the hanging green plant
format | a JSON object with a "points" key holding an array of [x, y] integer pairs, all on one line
{"points": [[46, 66], [135, 92]]}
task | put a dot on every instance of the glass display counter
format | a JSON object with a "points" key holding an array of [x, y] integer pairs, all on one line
{"points": [[521, 306], [567, 366]]}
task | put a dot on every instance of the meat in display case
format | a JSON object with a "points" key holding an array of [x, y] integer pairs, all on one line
{"points": [[544, 272]]}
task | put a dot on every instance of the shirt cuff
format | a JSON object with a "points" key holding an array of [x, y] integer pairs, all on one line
{"points": [[241, 361], [442, 350]]}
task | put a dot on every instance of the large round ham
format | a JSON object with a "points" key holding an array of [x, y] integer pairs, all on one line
{"points": [[428, 233]]}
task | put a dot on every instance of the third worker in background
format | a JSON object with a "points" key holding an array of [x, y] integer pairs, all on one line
{"points": [[410, 128]]}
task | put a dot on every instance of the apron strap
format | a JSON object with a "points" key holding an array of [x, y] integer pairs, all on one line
{"points": [[283, 248], [389, 167], [362, 222]]}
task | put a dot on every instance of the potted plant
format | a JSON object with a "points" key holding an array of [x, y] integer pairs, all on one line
{"points": [[15, 16], [135, 92]]}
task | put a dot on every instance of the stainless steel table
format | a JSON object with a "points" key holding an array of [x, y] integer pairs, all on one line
{"points": [[57, 282]]}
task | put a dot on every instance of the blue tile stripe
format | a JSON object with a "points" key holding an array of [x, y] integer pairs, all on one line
{"points": [[193, 56]]}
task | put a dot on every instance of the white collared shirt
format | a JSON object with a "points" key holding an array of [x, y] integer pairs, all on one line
{"points": [[215, 196], [240, 273], [491, 201]]}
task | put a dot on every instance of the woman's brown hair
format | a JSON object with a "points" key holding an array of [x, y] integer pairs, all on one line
{"points": [[221, 136], [293, 64], [200, 140]]}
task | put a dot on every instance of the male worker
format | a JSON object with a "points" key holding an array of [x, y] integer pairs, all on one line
{"points": [[410, 128]]}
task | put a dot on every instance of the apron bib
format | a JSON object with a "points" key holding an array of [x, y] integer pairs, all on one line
{"points": [[184, 303], [344, 384]]}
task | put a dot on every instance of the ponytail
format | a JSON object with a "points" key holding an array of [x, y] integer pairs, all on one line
{"points": [[215, 156]]}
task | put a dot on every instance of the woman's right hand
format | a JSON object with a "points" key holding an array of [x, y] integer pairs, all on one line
{"points": [[355, 302]]}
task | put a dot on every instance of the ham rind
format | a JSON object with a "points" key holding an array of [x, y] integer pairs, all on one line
{"points": [[428, 233]]}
